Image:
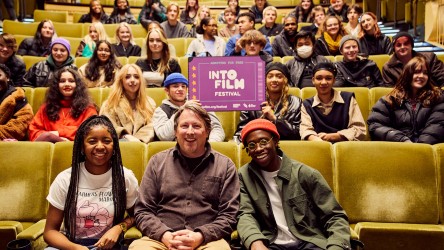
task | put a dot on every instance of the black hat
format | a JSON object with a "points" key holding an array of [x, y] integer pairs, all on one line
{"points": [[325, 66], [402, 34], [277, 66]]}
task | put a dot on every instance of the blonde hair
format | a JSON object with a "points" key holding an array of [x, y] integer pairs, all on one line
{"points": [[269, 8], [165, 58], [198, 19], [323, 27], [124, 25], [100, 31], [117, 95], [253, 35]]}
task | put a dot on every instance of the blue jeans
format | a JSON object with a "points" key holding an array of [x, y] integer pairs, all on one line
{"points": [[89, 243]]}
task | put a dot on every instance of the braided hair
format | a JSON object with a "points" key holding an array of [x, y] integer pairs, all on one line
{"points": [[118, 179]]}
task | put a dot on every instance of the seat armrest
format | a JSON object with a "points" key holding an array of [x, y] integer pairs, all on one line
{"points": [[133, 233], [33, 232]]}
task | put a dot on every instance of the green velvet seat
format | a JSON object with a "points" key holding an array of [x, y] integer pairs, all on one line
{"points": [[390, 191]]}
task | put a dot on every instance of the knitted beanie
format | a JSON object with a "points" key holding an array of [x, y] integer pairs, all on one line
{"points": [[277, 66], [348, 38], [63, 42], [402, 34], [259, 124], [175, 78]]}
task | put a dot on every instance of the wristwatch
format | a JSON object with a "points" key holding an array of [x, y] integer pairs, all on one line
{"points": [[123, 226]]}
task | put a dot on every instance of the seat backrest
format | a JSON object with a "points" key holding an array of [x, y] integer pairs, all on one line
{"points": [[38, 98], [75, 43], [64, 30], [183, 62], [158, 94], [19, 28], [439, 155], [285, 59], [29, 93], [300, 25], [376, 94], [138, 31], [31, 60], [77, 15], [54, 16], [111, 29], [295, 91], [317, 155], [389, 182], [158, 146], [179, 44], [228, 149], [96, 96], [24, 168], [80, 61], [226, 118], [380, 60]]}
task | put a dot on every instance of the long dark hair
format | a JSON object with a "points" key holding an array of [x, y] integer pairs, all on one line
{"points": [[402, 91], [38, 33], [91, 12], [188, 8], [205, 21], [116, 9], [80, 98], [118, 178], [92, 70]]}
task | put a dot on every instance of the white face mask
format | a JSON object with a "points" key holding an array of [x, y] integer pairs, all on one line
{"points": [[305, 51]]}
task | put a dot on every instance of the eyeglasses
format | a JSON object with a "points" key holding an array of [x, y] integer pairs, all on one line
{"points": [[262, 143]]}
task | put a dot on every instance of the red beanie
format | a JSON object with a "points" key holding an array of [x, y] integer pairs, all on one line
{"points": [[259, 124]]}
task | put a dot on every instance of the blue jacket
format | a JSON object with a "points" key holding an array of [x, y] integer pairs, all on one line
{"points": [[231, 44]]}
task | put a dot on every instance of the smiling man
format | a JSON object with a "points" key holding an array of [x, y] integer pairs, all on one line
{"points": [[285, 204], [354, 71], [189, 194], [330, 115], [176, 88], [172, 26], [283, 43]]}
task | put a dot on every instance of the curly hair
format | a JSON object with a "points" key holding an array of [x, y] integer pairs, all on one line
{"points": [[118, 178], [253, 36], [323, 27], [80, 99], [92, 70], [427, 95]]}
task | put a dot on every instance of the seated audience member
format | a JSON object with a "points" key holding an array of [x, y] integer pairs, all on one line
{"points": [[354, 71], [283, 43], [158, 63], [39, 44], [318, 17], [278, 193], [129, 108], [253, 42], [152, 10], [16, 113], [230, 28], [301, 66], [122, 13], [257, 10], [125, 45], [338, 8], [413, 111], [174, 28], [235, 9], [97, 183], [246, 23], [271, 28], [329, 37], [8, 48], [353, 27], [208, 43], [403, 52], [176, 87], [372, 41], [190, 173], [330, 115], [281, 108], [190, 12], [101, 67], [302, 11], [88, 44], [203, 12], [41, 74], [67, 104], [96, 13], [155, 24]]}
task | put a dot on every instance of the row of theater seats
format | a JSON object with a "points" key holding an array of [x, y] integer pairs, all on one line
{"points": [[392, 192], [365, 97]]}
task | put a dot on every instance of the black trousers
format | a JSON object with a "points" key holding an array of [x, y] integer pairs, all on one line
{"points": [[9, 5], [300, 245]]}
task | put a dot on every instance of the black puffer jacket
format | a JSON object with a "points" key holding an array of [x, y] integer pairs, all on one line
{"points": [[29, 47], [18, 70], [370, 45], [282, 46], [41, 74], [402, 124], [287, 126], [361, 73]]}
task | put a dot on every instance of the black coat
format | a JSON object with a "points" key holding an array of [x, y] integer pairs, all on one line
{"points": [[361, 73], [401, 123]]}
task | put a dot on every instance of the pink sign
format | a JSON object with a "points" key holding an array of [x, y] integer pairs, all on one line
{"points": [[227, 83]]}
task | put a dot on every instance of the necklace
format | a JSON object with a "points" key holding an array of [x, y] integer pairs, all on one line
{"points": [[152, 69]]}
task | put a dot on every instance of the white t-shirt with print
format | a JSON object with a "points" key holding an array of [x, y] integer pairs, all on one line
{"points": [[95, 209]]}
